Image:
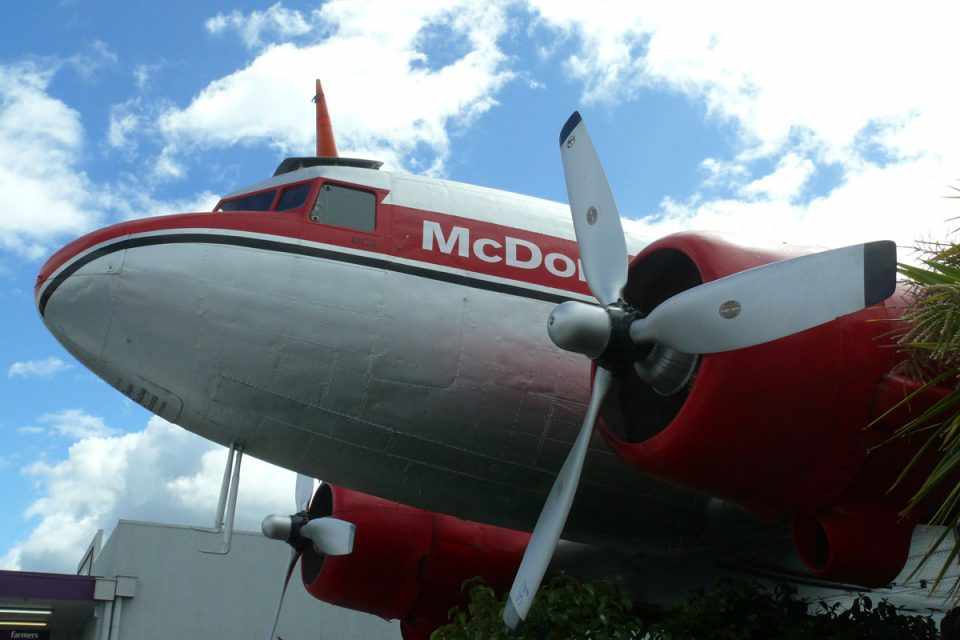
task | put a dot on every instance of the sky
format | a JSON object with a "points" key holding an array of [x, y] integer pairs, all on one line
{"points": [[815, 123]]}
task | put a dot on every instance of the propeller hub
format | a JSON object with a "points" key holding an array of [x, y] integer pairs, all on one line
{"points": [[580, 328], [277, 527]]}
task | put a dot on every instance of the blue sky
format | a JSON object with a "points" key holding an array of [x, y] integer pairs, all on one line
{"points": [[770, 124]]}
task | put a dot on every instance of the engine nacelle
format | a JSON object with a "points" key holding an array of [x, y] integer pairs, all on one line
{"points": [[777, 427], [407, 563]]}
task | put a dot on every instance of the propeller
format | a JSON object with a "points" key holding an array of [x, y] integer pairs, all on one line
{"points": [[303, 492], [603, 248], [741, 310], [294, 556], [329, 536]]}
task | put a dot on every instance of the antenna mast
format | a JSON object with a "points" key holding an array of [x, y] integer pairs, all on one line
{"points": [[326, 145]]}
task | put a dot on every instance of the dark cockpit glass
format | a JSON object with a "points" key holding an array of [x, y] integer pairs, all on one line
{"points": [[260, 201], [293, 197]]}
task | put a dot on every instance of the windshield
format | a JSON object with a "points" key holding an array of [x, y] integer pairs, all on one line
{"points": [[260, 201], [294, 197]]}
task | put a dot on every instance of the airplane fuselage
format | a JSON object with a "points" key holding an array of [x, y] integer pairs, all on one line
{"points": [[402, 353]]}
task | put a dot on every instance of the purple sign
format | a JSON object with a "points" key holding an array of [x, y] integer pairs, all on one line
{"points": [[24, 634]]}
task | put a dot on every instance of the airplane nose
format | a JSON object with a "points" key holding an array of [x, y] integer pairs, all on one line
{"points": [[73, 294]]}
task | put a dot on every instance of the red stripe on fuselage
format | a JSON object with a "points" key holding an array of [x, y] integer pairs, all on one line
{"points": [[434, 238]]}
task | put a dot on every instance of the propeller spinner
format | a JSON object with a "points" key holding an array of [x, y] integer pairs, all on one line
{"points": [[744, 309]]}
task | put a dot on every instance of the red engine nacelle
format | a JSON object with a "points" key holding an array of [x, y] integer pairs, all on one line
{"points": [[778, 427], [407, 563]]}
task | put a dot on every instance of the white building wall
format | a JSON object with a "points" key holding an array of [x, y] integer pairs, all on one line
{"points": [[182, 592]]}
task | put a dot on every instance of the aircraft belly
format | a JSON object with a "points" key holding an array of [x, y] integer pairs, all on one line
{"points": [[430, 393]]}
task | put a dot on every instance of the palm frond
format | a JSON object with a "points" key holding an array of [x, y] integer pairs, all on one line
{"points": [[930, 341]]}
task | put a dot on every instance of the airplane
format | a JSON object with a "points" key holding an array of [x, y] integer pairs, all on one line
{"points": [[458, 362]]}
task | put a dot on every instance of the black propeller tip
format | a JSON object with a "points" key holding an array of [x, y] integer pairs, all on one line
{"points": [[879, 271], [569, 126]]}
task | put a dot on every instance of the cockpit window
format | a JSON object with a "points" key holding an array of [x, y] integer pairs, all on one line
{"points": [[293, 197], [260, 201], [345, 207]]}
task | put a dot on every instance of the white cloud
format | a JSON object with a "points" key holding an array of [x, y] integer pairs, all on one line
{"points": [[774, 71], [135, 199], [37, 368], [162, 473], [264, 488], [166, 166], [275, 21], [44, 191], [98, 56], [723, 172], [75, 424], [202, 201], [809, 87], [124, 120], [901, 202], [387, 103], [48, 196], [785, 182], [31, 430], [143, 74]]}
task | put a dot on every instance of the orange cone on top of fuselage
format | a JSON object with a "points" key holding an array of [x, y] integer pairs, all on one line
{"points": [[326, 145]]}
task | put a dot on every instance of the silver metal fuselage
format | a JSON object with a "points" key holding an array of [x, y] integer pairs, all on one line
{"points": [[362, 370]]}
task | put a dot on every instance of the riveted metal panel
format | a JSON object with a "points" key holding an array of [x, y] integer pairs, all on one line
{"points": [[419, 338]]}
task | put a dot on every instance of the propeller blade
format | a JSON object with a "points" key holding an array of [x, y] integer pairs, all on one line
{"points": [[286, 582], [603, 249], [772, 301], [553, 517], [330, 536], [304, 492]]}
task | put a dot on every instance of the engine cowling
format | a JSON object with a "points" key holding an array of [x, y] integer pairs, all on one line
{"points": [[407, 563], [778, 428], [794, 408]]}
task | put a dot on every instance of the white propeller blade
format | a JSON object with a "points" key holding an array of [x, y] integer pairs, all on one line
{"points": [[283, 592], [772, 301], [330, 536], [550, 524], [304, 492], [603, 249]]}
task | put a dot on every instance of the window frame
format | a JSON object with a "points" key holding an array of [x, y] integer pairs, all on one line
{"points": [[346, 185]]}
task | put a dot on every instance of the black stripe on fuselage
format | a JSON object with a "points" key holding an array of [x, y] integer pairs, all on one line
{"points": [[296, 249]]}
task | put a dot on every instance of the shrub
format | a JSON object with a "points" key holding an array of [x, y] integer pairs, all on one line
{"points": [[734, 610]]}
